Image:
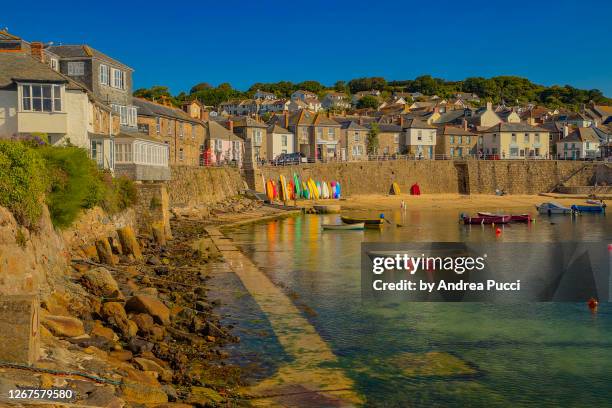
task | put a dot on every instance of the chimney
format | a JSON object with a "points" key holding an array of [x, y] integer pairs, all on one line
{"points": [[203, 114], [37, 51], [489, 106], [565, 130], [464, 123], [286, 117], [360, 121], [230, 125]]}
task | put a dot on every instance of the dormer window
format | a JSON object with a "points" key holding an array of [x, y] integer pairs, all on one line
{"points": [[41, 98], [104, 75], [76, 68]]}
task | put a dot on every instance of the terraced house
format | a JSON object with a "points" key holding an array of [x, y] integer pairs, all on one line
{"points": [[515, 141], [353, 141], [455, 142], [183, 136], [254, 135]]}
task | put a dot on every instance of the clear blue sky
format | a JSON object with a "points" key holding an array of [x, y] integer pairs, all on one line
{"points": [[549, 42]]}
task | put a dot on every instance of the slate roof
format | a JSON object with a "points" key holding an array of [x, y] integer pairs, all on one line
{"points": [[514, 127], [246, 121], [386, 127], [454, 131], [352, 125], [582, 135], [17, 66], [451, 116], [82, 51], [148, 108], [217, 131], [278, 129], [417, 124]]}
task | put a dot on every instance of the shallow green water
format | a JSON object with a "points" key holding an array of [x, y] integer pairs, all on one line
{"points": [[538, 354]]}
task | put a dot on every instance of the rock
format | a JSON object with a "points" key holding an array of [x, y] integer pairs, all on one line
{"points": [[159, 233], [132, 271], [57, 304], [145, 280], [149, 305], [114, 313], [101, 331], [170, 392], [204, 396], [138, 346], [128, 242], [153, 260], [437, 364], [204, 248], [150, 365], [202, 306], [151, 292], [161, 270], [139, 393], [115, 245], [173, 404], [91, 252], [105, 252], [121, 355], [63, 326], [100, 282], [157, 333], [144, 322], [103, 396]]}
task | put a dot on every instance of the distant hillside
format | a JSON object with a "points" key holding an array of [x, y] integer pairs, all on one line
{"points": [[509, 89]]}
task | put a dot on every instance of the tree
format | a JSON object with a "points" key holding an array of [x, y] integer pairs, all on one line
{"points": [[156, 93], [372, 139], [366, 84], [368, 101], [199, 87], [312, 86]]}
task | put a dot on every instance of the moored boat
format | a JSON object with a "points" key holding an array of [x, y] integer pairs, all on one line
{"points": [[588, 208], [553, 208], [486, 219], [513, 218], [373, 222], [344, 227]]}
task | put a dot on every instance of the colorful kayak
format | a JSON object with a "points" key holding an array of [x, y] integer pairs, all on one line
{"points": [[395, 189], [487, 219]]}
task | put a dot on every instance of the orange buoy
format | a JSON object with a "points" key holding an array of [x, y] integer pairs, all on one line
{"points": [[498, 231], [593, 303]]}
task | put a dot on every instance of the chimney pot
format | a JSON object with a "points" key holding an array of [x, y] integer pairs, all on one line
{"points": [[230, 125]]}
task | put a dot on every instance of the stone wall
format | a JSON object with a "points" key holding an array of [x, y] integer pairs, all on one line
{"points": [[153, 207], [195, 186], [470, 176]]}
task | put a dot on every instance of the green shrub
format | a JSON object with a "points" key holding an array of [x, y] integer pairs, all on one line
{"points": [[75, 183], [23, 181], [121, 193]]}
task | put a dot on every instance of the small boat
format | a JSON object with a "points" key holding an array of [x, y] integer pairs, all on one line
{"points": [[553, 208], [513, 218], [588, 208], [344, 227], [486, 219], [374, 222], [596, 202]]}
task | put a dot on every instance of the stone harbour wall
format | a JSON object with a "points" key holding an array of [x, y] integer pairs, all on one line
{"points": [[468, 177], [195, 186]]}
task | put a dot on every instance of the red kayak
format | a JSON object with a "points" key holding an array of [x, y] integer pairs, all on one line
{"points": [[513, 218], [487, 219]]}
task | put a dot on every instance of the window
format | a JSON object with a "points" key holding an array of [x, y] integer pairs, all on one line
{"points": [[451, 140], [218, 145], [191, 130], [284, 140], [123, 152], [331, 133], [169, 130], [468, 139], [452, 152], [257, 133], [181, 129], [104, 75], [54, 64], [460, 151], [41, 98], [319, 133], [537, 138], [396, 138], [118, 78], [419, 135], [158, 125], [181, 154], [76, 68], [132, 116], [526, 137], [356, 138], [514, 138], [513, 151]]}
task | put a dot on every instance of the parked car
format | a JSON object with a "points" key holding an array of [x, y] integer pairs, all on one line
{"points": [[285, 159]]}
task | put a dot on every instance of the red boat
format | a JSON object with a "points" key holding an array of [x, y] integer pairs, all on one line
{"points": [[513, 218], [487, 219]]}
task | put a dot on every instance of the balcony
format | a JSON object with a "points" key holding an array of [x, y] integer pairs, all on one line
{"points": [[42, 122]]}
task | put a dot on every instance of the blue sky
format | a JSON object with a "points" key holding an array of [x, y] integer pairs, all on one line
{"points": [[560, 42]]}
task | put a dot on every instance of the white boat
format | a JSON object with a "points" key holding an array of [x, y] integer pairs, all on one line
{"points": [[553, 208], [344, 227]]}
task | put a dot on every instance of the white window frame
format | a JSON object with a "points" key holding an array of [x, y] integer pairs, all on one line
{"points": [[28, 100], [284, 140], [104, 74], [76, 68], [117, 78], [54, 64]]}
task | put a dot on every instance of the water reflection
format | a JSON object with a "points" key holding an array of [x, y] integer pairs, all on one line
{"points": [[423, 354]]}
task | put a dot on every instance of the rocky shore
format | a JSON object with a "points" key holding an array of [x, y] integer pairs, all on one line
{"points": [[131, 322]]}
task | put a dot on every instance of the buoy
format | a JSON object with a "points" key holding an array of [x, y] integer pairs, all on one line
{"points": [[382, 216], [593, 303], [498, 231]]}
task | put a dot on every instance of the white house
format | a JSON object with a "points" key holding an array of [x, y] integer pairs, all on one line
{"points": [[419, 138], [279, 140], [302, 95], [264, 95], [582, 143], [336, 100]]}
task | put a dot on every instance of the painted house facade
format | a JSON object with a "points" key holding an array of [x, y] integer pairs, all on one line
{"points": [[279, 141], [455, 142], [353, 141], [581, 143], [419, 138], [515, 141]]}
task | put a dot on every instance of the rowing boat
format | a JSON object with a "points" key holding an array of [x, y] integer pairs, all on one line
{"points": [[553, 208], [486, 219], [588, 208], [513, 218], [373, 222], [344, 227]]}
